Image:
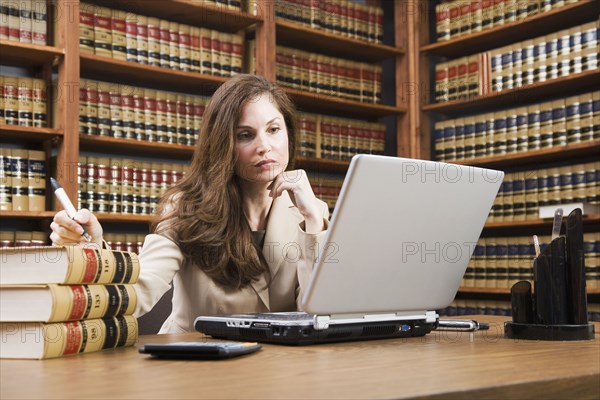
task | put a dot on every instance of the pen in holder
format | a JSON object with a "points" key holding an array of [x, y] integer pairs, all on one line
{"points": [[557, 307]]}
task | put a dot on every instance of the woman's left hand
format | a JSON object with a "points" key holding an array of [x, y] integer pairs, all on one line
{"points": [[301, 193]]}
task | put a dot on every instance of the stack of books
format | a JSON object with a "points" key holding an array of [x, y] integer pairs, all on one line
{"points": [[58, 301]]}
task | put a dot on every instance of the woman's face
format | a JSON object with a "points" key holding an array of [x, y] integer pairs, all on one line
{"points": [[261, 141]]}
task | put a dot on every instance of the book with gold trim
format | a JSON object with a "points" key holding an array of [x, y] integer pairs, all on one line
{"points": [[58, 303], [67, 265], [35, 340]]}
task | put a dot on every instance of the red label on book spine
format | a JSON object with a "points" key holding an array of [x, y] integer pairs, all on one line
{"points": [[73, 339], [80, 301], [91, 265]]}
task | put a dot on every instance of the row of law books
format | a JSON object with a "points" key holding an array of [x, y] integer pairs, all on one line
{"points": [[122, 111], [332, 138], [129, 242], [24, 21], [23, 101], [500, 262], [152, 41], [326, 187], [330, 76], [476, 307], [523, 193], [342, 17], [459, 18], [518, 64], [554, 123], [124, 186], [23, 238], [22, 179], [58, 301]]}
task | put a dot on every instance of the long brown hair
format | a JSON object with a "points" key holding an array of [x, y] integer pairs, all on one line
{"points": [[203, 212]]}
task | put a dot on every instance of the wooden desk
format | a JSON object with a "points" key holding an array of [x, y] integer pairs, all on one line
{"points": [[442, 364]]}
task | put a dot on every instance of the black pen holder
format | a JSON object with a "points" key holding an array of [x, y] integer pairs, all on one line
{"points": [[557, 307]]}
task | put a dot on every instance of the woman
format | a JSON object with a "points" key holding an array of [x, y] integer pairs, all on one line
{"points": [[240, 232]]}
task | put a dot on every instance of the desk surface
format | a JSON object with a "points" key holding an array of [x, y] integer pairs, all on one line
{"points": [[441, 364]]}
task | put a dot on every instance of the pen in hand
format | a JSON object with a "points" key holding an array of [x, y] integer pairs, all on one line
{"points": [[61, 195]]}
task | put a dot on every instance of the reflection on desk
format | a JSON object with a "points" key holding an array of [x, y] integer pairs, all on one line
{"points": [[449, 364]]}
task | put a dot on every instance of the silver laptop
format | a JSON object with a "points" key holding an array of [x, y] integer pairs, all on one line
{"points": [[399, 242]]}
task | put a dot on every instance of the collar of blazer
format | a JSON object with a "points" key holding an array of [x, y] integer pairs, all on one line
{"points": [[282, 228]]}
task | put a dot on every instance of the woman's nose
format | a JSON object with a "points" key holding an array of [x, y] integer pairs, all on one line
{"points": [[263, 145]]}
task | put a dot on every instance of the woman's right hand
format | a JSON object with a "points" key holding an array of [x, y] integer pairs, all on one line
{"points": [[69, 231]]}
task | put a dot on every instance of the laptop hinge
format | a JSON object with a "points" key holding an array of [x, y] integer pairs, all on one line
{"points": [[323, 321]]}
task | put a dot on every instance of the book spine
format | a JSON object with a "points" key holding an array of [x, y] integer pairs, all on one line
{"points": [[4, 15], [116, 111], [36, 175], [5, 180], [39, 24], [24, 93], [174, 59], [68, 338], [79, 302], [13, 21], [185, 48], [115, 182], [119, 34], [154, 50], [19, 180], [25, 17], [195, 49], [103, 31], [141, 25], [101, 266], [131, 37], [11, 100]]}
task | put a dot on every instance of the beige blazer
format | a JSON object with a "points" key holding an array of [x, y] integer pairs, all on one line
{"points": [[290, 253]]}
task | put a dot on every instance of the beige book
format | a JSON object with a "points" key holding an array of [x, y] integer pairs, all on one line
{"points": [[5, 184], [40, 103], [441, 82], [25, 15], [103, 38], [531, 195], [586, 116], [554, 188], [546, 132], [142, 39], [511, 131], [13, 21], [127, 112], [154, 43], [215, 53], [4, 13], [533, 127], [442, 22], [500, 133], [174, 62], [115, 182], [11, 100], [161, 116], [2, 100], [164, 38], [519, 196], [195, 48], [172, 117], [206, 53], [505, 271], [150, 122], [86, 28], [119, 35], [131, 37], [185, 48], [19, 180], [452, 80], [487, 261], [104, 109], [226, 50], [102, 186], [36, 180], [24, 93], [237, 54], [39, 25], [181, 119]]}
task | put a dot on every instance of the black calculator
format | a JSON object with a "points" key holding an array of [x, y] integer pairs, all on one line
{"points": [[200, 350]]}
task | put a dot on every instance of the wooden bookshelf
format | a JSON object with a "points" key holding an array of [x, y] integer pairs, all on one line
{"points": [[130, 73], [27, 214], [28, 55], [505, 290], [322, 165], [537, 223], [540, 24], [299, 36], [583, 81], [558, 153], [127, 146], [124, 218], [315, 102], [28, 133], [192, 12]]}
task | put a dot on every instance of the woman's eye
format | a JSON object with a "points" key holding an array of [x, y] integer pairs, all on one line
{"points": [[244, 136], [275, 129]]}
